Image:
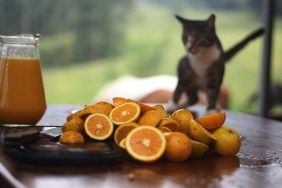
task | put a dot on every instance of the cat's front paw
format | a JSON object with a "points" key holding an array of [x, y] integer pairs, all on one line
{"points": [[171, 106]]}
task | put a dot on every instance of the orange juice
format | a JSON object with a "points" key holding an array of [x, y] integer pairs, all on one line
{"points": [[22, 98]]}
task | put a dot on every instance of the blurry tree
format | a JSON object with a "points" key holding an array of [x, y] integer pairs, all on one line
{"points": [[94, 29]]}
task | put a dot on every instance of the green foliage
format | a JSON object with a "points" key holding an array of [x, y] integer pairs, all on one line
{"points": [[153, 47], [80, 30], [102, 40]]}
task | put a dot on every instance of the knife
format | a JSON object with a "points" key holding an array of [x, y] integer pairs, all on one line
{"points": [[16, 136]]}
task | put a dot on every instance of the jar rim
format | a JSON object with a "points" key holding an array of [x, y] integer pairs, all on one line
{"points": [[20, 39]]}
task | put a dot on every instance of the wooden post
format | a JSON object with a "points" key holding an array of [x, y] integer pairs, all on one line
{"points": [[266, 57]]}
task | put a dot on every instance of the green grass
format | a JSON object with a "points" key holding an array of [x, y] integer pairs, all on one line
{"points": [[153, 47]]}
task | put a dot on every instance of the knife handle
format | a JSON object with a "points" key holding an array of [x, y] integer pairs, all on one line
{"points": [[19, 136]]}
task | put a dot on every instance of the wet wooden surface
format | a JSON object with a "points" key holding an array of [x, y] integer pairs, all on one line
{"points": [[258, 164]]}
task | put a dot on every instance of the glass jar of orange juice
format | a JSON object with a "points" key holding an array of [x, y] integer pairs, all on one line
{"points": [[22, 98]]}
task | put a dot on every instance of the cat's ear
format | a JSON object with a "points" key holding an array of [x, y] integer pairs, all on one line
{"points": [[211, 21], [180, 19]]}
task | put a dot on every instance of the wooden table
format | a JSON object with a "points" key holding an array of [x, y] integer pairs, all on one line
{"points": [[258, 164]]}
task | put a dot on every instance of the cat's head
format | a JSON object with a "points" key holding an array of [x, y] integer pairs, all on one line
{"points": [[198, 33]]}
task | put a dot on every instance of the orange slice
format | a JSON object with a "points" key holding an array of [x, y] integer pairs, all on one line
{"points": [[160, 108], [199, 133], [105, 105], [98, 126], [164, 129], [91, 109], [75, 124], [122, 143], [212, 121], [124, 113], [145, 143], [71, 137], [144, 107], [183, 117], [122, 131], [118, 101], [151, 117], [172, 124]]}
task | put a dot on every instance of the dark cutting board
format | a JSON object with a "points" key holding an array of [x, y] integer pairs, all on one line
{"points": [[29, 145]]}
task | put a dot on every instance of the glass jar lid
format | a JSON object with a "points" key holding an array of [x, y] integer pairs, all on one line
{"points": [[32, 39]]}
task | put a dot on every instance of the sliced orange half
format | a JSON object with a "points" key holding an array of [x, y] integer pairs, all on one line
{"points": [[212, 121], [145, 143], [122, 131], [98, 126], [124, 113]]}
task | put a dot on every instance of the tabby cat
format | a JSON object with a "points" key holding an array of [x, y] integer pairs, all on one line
{"points": [[202, 68]]}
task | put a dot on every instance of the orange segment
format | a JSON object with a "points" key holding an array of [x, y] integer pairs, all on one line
{"points": [[151, 117], [212, 121], [144, 107], [98, 126], [183, 117], [91, 109], [105, 105], [145, 143], [75, 124], [118, 101], [71, 137], [199, 133], [164, 129], [124, 113], [160, 108], [122, 131], [172, 124]]}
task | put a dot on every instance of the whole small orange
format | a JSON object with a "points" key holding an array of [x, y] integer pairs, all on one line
{"points": [[228, 141], [178, 147]]}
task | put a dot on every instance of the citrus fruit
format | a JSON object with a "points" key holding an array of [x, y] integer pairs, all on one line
{"points": [[151, 117], [122, 131], [228, 141], [178, 147], [144, 107], [124, 113], [118, 101], [183, 117], [199, 133], [75, 124], [212, 121], [122, 143], [160, 108], [90, 109], [198, 149], [145, 143], [105, 105], [73, 116], [164, 129], [98, 126], [172, 124], [71, 137]]}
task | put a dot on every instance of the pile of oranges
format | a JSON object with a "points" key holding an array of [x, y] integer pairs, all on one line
{"points": [[148, 133]]}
